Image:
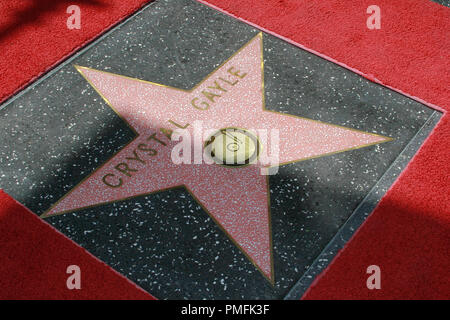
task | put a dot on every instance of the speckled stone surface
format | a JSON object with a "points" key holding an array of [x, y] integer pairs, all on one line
{"points": [[59, 130]]}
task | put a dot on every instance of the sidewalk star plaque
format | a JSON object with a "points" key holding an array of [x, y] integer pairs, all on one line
{"points": [[232, 96], [204, 159]]}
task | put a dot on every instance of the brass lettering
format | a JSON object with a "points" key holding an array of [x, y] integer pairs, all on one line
{"points": [[125, 169], [166, 132], [109, 184], [194, 104], [229, 82], [143, 147], [136, 157], [217, 87], [153, 137], [210, 96], [179, 125], [236, 73]]}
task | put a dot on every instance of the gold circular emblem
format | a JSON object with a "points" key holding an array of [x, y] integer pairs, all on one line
{"points": [[233, 147]]}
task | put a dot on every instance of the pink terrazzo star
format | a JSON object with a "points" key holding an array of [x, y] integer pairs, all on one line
{"points": [[232, 96]]}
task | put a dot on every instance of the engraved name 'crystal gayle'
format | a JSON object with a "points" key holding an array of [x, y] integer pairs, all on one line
{"points": [[148, 146]]}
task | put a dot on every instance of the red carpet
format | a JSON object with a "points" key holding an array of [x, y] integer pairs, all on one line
{"points": [[34, 259], [408, 233], [34, 36]]}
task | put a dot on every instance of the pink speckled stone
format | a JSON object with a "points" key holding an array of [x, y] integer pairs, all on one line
{"points": [[236, 198]]}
